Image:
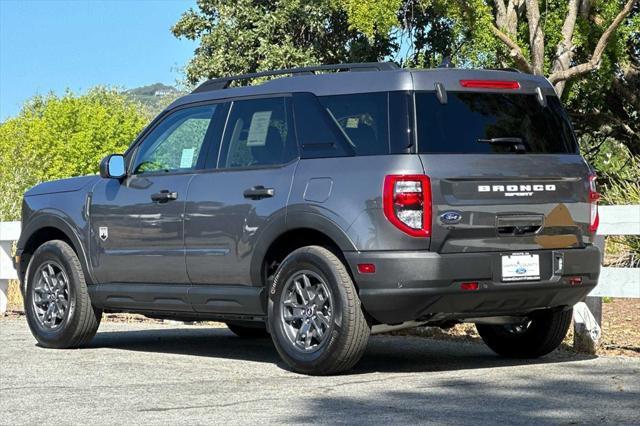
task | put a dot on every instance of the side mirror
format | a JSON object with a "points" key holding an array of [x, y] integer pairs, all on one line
{"points": [[112, 166]]}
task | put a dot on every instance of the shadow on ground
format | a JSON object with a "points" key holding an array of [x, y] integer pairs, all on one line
{"points": [[579, 399], [384, 353]]}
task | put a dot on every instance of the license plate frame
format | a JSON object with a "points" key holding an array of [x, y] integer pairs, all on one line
{"points": [[518, 267]]}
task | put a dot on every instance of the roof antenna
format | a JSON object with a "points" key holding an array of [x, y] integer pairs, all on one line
{"points": [[446, 62]]}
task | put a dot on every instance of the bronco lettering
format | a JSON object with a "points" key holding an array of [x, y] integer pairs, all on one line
{"points": [[517, 190]]}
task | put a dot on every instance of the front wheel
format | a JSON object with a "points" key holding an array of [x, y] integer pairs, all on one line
{"points": [[57, 304], [537, 336], [315, 318]]}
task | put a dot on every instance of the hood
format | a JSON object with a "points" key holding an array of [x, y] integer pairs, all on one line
{"points": [[62, 185]]}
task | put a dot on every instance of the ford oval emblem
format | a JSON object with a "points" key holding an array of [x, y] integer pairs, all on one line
{"points": [[450, 218]]}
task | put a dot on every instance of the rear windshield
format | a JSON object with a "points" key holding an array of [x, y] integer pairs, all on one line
{"points": [[486, 123]]}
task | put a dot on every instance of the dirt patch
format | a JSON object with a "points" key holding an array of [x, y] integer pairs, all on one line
{"points": [[126, 318], [620, 330]]}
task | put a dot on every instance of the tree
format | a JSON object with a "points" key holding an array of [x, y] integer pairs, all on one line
{"points": [[524, 28], [589, 50], [54, 137], [241, 36]]}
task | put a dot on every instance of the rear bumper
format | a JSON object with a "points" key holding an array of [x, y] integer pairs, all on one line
{"points": [[414, 285]]}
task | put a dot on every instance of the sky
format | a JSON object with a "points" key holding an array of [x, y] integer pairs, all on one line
{"points": [[54, 45]]}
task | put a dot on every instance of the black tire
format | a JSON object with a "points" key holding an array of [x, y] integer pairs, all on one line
{"points": [[536, 338], [250, 332], [80, 320], [346, 331]]}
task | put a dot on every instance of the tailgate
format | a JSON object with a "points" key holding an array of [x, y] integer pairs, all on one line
{"points": [[516, 203], [505, 172]]}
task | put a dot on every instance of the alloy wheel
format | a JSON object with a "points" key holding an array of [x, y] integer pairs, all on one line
{"points": [[307, 311], [51, 295]]}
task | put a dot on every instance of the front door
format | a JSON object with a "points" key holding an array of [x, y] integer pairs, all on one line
{"points": [[137, 222]]}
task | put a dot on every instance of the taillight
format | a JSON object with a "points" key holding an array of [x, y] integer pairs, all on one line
{"points": [[407, 203], [594, 196], [490, 84]]}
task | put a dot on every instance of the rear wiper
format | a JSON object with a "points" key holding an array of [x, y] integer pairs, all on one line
{"points": [[517, 143]]}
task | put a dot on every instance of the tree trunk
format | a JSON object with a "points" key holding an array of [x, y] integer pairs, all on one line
{"points": [[564, 51], [536, 37]]}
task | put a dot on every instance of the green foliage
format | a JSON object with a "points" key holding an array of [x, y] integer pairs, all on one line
{"points": [[372, 17], [55, 137], [241, 36]]}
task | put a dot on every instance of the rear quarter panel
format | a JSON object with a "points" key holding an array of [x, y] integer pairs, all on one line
{"points": [[348, 192]]}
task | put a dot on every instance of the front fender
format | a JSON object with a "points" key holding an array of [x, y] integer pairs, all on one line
{"points": [[56, 219]]}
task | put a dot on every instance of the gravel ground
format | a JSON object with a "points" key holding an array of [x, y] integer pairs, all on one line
{"points": [[149, 373]]}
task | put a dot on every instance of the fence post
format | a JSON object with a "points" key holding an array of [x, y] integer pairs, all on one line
{"points": [[9, 232], [595, 303], [4, 288], [587, 322]]}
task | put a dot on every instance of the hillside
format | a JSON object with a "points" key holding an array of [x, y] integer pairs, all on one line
{"points": [[155, 97]]}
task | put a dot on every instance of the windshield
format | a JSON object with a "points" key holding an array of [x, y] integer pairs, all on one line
{"points": [[487, 123]]}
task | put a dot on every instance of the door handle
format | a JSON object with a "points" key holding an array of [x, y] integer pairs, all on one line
{"points": [[258, 192], [164, 196]]}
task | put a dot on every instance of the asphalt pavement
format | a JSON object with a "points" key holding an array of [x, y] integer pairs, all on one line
{"points": [[172, 374]]}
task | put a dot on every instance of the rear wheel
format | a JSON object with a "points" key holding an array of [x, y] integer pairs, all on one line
{"points": [[254, 332], [315, 318], [535, 337], [57, 304]]}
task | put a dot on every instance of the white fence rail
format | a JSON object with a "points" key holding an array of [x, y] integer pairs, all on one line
{"points": [[618, 282], [614, 282]]}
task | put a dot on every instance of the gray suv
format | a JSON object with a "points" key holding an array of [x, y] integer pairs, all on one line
{"points": [[323, 206]]}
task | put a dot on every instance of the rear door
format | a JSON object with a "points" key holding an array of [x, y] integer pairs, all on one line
{"points": [[229, 205], [505, 172]]}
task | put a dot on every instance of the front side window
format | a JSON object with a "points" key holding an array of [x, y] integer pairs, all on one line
{"points": [[258, 133], [174, 145]]}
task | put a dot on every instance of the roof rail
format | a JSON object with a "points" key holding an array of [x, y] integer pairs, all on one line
{"points": [[225, 82]]}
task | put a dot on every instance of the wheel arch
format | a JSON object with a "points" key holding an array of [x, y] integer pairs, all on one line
{"points": [[47, 228], [298, 231]]}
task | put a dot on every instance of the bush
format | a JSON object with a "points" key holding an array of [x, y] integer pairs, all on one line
{"points": [[54, 137]]}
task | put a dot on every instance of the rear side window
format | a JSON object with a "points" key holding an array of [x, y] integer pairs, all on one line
{"points": [[363, 118], [318, 134], [485, 123], [258, 133]]}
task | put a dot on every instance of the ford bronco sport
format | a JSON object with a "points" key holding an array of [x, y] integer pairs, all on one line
{"points": [[323, 206]]}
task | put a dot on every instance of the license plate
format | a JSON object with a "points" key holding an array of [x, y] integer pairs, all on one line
{"points": [[521, 267]]}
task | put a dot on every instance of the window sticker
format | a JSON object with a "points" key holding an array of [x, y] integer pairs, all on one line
{"points": [[186, 160], [352, 122], [259, 128]]}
